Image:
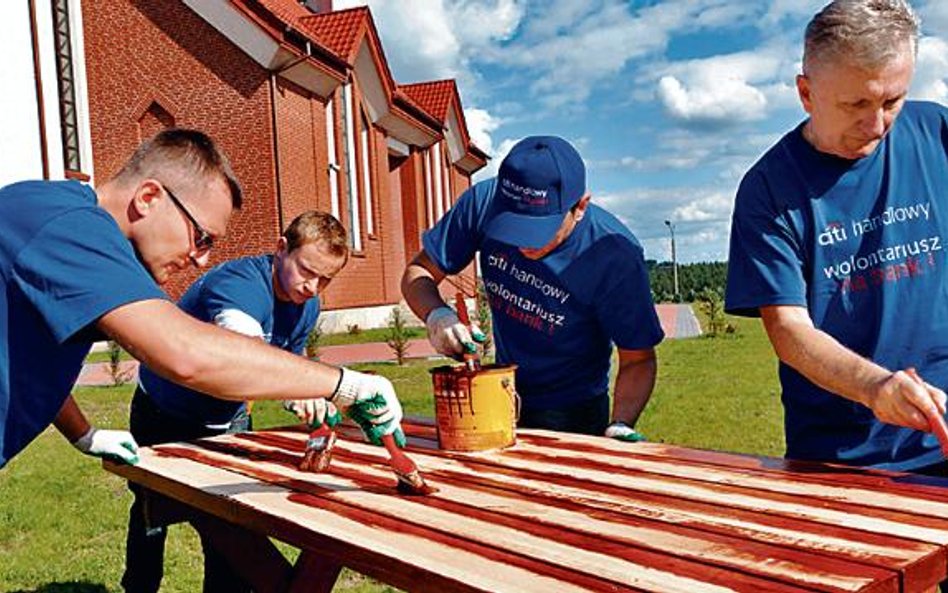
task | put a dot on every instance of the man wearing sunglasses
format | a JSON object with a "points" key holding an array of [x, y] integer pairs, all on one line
{"points": [[271, 297], [78, 265]]}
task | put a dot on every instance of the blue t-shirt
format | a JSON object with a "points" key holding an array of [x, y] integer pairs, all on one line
{"points": [[64, 263], [861, 245], [244, 285], [556, 318]]}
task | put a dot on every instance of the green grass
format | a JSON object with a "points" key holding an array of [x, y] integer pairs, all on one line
{"points": [[365, 336], [62, 519]]}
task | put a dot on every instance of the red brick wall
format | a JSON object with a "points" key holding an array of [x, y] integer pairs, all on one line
{"points": [[138, 53], [153, 63]]}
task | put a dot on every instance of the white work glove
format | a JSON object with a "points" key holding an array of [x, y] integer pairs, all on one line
{"points": [[371, 402], [621, 431], [117, 445], [449, 336], [314, 411]]}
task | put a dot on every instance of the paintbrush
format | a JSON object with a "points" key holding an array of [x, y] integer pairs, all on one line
{"points": [[318, 451], [409, 478], [471, 359], [935, 420]]}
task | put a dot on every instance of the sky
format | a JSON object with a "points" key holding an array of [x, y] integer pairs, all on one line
{"points": [[669, 102]]}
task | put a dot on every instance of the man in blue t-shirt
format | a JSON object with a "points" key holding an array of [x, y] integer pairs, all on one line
{"points": [[270, 297], [77, 265], [838, 243], [565, 280]]}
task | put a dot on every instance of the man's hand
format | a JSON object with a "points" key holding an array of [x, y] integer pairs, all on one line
{"points": [[117, 445], [449, 336], [903, 401], [314, 412], [371, 402], [621, 431]]}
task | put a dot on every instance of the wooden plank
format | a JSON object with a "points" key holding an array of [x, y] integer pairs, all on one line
{"points": [[372, 548], [465, 530], [921, 564], [576, 524], [921, 495]]}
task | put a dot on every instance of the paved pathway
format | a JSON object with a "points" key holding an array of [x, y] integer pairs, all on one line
{"points": [[678, 321]]}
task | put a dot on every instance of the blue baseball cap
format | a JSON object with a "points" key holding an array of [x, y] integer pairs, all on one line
{"points": [[539, 180]]}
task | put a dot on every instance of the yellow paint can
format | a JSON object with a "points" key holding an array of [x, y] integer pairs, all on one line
{"points": [[475, 410]]}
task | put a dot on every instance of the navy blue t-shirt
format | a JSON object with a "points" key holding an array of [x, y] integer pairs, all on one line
{"points": [[861, 245], [64, 263], [556, 318], [243, 285]]}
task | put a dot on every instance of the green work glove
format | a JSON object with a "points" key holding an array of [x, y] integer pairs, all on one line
{"points": [[116, 445], [366, 415], [314, 412], [621, 431]]}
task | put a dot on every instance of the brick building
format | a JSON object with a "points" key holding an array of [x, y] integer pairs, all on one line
{"points": [[302, 100]]}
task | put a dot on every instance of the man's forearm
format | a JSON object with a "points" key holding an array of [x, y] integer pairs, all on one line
{"points": [[635, 381], [70, 421], [420, 286], [824, 361], [213, 360]]}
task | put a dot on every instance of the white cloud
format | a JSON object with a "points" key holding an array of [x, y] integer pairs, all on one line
{"points": [[727, 100], [701, 218], [931, 73], [725, 89], [480, 124], [934, 15]]}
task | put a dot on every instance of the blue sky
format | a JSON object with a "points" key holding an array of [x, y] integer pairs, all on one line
{"points": [[669, 102]]}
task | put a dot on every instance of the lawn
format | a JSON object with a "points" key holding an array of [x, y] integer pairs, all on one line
{"points": [[62, 519]]}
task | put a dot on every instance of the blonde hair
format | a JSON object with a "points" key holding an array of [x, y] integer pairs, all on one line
{"points": [[312, 226], [867, 33]]}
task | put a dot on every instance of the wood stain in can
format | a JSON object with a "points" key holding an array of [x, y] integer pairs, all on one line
{"points": [[475, 410]]}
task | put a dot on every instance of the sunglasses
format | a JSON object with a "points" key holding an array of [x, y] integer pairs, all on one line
{"points": [[203, 240]]}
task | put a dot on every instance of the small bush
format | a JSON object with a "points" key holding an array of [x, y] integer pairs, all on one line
{"points": [[484, 319], [119, 375], [312, 341], [712, 305], [398, 335], [353, 329]]}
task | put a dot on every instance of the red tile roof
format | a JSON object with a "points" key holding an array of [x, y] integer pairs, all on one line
{"points": [[337, 31], [289, 11], [433, 96]]}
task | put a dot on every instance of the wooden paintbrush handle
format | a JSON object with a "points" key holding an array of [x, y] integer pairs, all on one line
{"points": [[935, 420]]}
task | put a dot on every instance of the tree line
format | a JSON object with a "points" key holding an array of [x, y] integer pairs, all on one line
{"points": [[693, 279]]}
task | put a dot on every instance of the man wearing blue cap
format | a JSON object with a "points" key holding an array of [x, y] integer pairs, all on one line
{"points": [[565, 281]]}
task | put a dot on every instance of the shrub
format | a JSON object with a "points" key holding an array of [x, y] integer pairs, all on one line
{"points": [[483, 318], [119, 375], [353, 329], [712, 305], [312, 341], [398, 335]]}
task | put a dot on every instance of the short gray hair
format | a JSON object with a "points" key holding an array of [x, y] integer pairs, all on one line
{"points": [[866, 33]]}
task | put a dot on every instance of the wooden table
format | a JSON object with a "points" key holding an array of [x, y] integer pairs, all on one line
{"points": [[562, 513]]}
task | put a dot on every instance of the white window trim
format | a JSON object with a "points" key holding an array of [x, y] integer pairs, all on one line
{"points": [[429, 209], [331, 153], [366, 156], [439, 189], [355, 224]]}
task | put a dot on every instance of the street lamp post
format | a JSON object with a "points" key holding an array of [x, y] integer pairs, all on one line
{"points": [[671, 229]]}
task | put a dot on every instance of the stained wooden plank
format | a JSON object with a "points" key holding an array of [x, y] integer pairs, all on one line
{"points": [[572, 513], [656, 573], [919, 562], [535, 516]]}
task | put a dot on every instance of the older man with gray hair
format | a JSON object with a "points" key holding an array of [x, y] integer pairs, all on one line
{"points": [[838, 244]]}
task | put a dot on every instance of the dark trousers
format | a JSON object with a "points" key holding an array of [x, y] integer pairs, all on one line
{"points": [[587, 417], [145, 547]]}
